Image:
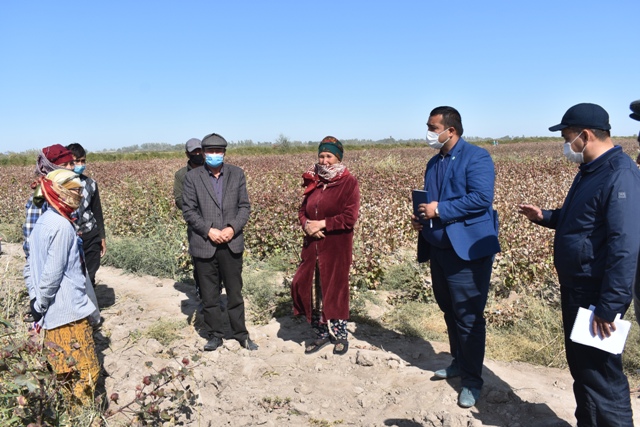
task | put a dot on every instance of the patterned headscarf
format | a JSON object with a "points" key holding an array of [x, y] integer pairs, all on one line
{"points": [[49, 159], [57, 189], [324, 174]]}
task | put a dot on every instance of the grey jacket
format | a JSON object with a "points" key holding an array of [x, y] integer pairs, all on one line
{"points": [[202, 211]]}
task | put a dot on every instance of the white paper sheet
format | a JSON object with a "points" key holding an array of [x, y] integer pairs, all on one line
{"points": [[581, 332]]}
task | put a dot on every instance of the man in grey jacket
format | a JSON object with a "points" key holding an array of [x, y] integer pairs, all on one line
{"points": [[216, 206]]}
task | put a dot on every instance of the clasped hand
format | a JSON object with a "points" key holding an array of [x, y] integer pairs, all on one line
{"points": [[315, 229], [221, 236]]}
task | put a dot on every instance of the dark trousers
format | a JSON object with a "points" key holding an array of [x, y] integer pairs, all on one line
{"points": [[460, 288], [226, 267], [195, 277], [195, 273], [600, 386], [92, 245]]}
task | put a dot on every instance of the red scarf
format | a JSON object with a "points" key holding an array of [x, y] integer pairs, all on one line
{"points": [[63, 200]]}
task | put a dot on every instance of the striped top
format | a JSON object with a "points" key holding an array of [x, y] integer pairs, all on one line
{"points": [[56, 272]]}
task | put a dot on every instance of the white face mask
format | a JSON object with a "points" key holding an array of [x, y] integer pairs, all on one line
{"points": [[571, 155], [434, 142]]}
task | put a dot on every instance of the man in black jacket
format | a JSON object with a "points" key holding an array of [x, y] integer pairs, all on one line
{"points": [[193, 151], [596, 249]]}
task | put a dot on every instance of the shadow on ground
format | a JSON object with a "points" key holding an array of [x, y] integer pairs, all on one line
{"points": [[497, 399], [106, 298], [191, 307]]}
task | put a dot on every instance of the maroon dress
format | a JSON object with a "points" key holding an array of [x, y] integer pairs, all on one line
{"points": [[336, 202]]}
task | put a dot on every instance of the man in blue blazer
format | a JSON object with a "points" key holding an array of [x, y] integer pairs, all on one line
{"points": [[216, 206], [458, 234]]}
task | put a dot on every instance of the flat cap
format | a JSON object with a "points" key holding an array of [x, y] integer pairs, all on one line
{"points": [[214, 140]]}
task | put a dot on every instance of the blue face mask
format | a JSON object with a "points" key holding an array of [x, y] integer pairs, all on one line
{"points": [[79, 169], [215, 160]]}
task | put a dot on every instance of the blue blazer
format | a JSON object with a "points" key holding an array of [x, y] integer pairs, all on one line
{"points": [[465, 204]]}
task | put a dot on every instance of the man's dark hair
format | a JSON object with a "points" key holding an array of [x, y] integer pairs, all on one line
{"points": [[450, 118], [600, 134], [77, 150]]}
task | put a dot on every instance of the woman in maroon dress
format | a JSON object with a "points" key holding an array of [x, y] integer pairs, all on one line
{"points": [[320, 288]]}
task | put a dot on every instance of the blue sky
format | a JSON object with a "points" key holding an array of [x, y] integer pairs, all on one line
{"points": [[117, 73]]}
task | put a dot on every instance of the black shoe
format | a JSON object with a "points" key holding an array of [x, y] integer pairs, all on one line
{"points": [[315, 345], [341, 346], [213, 344], [96, 326], [249, 345]]}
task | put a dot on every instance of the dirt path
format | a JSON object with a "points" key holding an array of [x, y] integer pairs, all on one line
{"points": [[384, 380]]}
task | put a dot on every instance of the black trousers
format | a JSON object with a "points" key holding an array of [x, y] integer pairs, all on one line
{"points": [[195, 273], [600, 386], [461, 288], [196, 279], [92, 245], [226, 267]]}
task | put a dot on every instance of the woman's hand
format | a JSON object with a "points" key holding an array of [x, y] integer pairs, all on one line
{"points": [[318, 235], [312, 227]]}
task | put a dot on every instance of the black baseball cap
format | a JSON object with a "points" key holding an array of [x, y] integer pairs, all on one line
{"points": [[192, 145], [635, 107], [588, 116]]}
